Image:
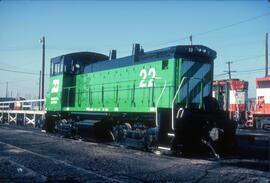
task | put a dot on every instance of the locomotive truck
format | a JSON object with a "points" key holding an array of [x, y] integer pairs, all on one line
{"points": [[159, 99]]}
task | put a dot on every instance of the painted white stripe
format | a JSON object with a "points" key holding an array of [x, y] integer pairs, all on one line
{"points": [[152, 109], [214, 94], [171, 134], [54, 98], [264, 92], [105, 109], [237, 97], [164, 148], [4, 106], [54, 102], [22, 101], [89, 109]]}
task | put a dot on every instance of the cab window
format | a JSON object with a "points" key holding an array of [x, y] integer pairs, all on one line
{"points": [[56, 68], [73, 66], [264, 84]]}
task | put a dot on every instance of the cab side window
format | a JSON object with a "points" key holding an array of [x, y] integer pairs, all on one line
{"points": [[56, 68], [73, 67]]}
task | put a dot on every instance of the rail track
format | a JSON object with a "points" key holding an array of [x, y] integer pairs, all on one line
{"points": [[28, 155]]}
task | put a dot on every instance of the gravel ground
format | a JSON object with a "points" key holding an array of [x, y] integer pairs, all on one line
{"points": [[28, 155]]}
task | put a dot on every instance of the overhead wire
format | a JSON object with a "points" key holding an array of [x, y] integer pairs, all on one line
{"points": [[160, 42], [253, 57], [217, 28], [247, 58], [13, 81], [244, 71], [20, 72]]}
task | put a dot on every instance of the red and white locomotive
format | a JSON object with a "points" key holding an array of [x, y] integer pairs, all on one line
{"points": [[232, 95], [261, 113]]}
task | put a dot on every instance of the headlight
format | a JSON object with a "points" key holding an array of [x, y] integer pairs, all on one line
{"points": [[214, 134]]}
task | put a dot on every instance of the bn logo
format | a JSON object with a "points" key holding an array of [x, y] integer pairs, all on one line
{"points": [[55, 86]]}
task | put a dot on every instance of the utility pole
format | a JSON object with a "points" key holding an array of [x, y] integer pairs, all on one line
{"points": [[266, 54], [43, 67], [39, 87], [6, 89], [190, 39], [39, 84], [229, 72]]}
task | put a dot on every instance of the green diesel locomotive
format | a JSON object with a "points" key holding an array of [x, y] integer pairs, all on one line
{"points": [[156, 99]]}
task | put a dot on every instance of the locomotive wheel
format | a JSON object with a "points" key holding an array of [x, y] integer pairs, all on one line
{"points": [[118, 132], [127, 125], [148, 141]]}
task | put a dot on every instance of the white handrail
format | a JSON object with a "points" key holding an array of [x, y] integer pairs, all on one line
{"points": [[174, 98], [163, 89], [4, 106], [22, 101], [176, 94]]}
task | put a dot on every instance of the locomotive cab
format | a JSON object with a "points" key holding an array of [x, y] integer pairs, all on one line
{"points": [[63, 73]]}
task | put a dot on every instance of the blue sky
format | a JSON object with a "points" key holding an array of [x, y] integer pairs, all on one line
{"points": [[235, 29]]}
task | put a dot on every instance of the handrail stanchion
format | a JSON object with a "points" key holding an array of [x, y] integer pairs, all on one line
{"points": [[163, 89], [174, 98]]}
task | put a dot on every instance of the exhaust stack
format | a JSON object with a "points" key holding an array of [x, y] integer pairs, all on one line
{"points": [[113, 54], [136, 51]]}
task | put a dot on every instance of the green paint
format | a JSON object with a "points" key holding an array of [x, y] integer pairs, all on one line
{"points": [[135, 88], [54, 96]]}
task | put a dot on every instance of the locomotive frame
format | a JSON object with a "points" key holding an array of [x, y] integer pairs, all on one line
{"points": [[153, 99]]}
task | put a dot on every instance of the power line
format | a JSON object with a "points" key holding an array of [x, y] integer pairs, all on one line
{"points": [[247, 58], [233, 24], [244, 59], [217, 75], [243, 71], [22, 67], [252, 70], [217, 28], [18, 49], [160, 42], [20, 72], [233, 44], [16, 81]]}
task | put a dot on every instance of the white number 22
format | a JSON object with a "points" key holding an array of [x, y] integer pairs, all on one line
{"points": [[143, 74]]}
